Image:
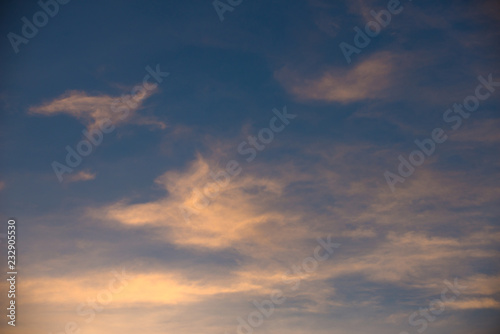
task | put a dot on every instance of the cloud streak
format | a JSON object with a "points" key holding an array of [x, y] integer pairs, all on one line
{"points": [[93, 110], [370, 79]]}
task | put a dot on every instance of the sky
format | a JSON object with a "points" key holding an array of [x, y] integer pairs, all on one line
{"points": [[237, 166]]}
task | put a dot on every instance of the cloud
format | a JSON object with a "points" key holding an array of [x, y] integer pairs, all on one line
{"points": [[359, 233], [409, 260], [483, 284], [80, 176], [474, 304], [92, 111], [369, 79], [191, 219], [151, 288]]}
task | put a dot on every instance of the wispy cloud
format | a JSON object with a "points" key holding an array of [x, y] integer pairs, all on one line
{"points": [[231, 218], [80, 176], [475, 304], [93, 110], [370, 79]]}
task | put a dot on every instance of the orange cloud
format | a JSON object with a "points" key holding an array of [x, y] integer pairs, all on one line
{"points": [[94, 110], [475, 304], [369, 79], [231, 216], [81, 176]]}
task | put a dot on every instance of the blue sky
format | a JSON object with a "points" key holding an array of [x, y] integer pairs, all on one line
{"points": [[199, 249]]}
